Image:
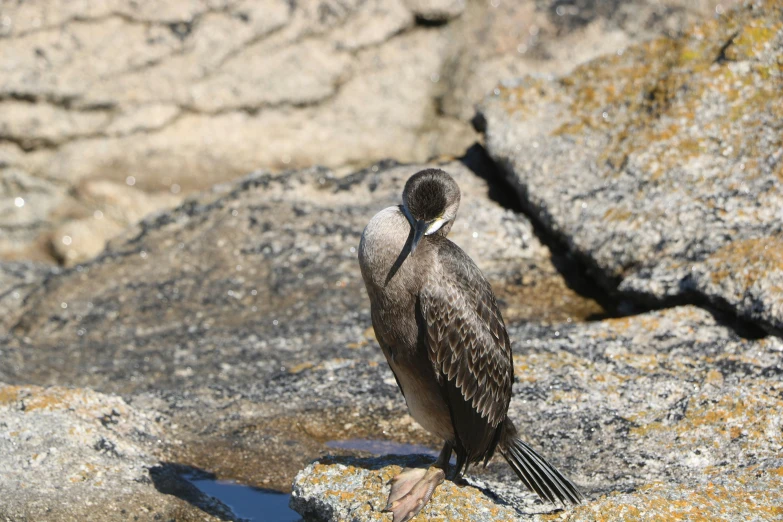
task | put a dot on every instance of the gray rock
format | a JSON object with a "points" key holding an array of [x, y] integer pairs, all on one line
{"points": [[665, 406], [497, 40], [195, 93], [658, 166], [356, 490], [69, 454], [665, 412], [17, 280]]}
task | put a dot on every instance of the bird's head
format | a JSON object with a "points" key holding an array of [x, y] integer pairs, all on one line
{"points": [[430, 201]]}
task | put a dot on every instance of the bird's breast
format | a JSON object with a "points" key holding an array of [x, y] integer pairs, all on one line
{"points": [[423, 395]]}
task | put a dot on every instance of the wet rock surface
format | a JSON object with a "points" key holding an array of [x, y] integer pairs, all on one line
{"points": [[73, 454], [662, 165], [171, 100]]}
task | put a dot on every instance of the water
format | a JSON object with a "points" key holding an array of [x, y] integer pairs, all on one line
{"points": [[262, 505], [249, 503], [382, 447]]}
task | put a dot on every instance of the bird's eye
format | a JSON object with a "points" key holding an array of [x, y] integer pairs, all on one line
{"points": [[435, 225]]}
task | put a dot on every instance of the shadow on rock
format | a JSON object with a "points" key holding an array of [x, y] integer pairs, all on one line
{"points": [[378, 463], [169, 479], [578, 275]]}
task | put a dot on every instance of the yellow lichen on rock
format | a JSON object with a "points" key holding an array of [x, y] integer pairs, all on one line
{"points": [[747, 496], [350, 488]]}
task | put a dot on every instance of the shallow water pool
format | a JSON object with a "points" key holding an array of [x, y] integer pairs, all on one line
{"points": [[248, 503]]}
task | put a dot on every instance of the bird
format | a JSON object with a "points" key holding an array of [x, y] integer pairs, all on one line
{"points": [[440, 328]]}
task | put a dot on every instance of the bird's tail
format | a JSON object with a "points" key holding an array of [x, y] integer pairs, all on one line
{"points": [[538, 474]]}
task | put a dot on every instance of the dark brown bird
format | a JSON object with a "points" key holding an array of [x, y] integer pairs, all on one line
{"points": [[440, 328]]}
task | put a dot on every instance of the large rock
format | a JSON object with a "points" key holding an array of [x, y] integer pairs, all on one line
{"points": [[662, 165], [669, 412], [209, 312], [72, 454], [356, 489], [497, 40], [200, 92]]}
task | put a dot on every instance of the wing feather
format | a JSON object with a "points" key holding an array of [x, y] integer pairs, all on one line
{"points": [[469, 349]]}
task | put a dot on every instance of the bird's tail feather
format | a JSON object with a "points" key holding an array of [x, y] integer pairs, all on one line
{"points": [[538, 474]]}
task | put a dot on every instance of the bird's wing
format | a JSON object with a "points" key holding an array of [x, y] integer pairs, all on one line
{"points": [[469, 349]]}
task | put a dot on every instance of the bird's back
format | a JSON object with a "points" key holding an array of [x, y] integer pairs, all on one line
{"points": [[469, 349]]}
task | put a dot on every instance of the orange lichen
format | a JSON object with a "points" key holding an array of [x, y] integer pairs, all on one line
{"points": [[297, 368], [9, 394], [649, 97], [448, 501], [757, 257]]}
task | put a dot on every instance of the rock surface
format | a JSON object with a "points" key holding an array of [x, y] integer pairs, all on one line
{"points": [[72, 454], [356, 489], [672, 406], [175, 99], [663, 165]]}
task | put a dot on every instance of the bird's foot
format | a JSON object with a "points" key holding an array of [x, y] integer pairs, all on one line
{"points": [[411, 490]]}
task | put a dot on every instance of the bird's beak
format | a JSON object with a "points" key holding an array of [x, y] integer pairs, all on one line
{"points": [[418, 233]]}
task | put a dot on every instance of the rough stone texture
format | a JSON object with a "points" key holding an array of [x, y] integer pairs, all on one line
{"points": [[72, 454], [663, 165], [17, 279], [356, 489], [497, 40], [172, 99], [207, 312], [665, 414]]}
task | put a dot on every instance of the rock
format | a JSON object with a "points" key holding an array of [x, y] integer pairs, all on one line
{"points": [[357, 489], [114, 207], [745, 496], [197, 93], [73, 454], [665, 412], [210, 311], [17, 280], [662, 165], [635, 410], [673, 397], [498, 40]]}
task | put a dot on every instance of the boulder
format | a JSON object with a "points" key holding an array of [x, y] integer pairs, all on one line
{"points": [[69, 454], [662, 166], [197, 93], [355, 489]]}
